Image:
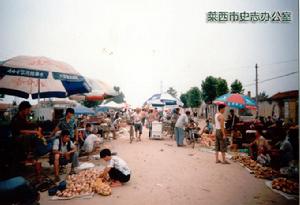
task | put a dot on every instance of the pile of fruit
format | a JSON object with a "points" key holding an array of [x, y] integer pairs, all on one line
{"points": [[266, 173], [258, 170], [84, 183], [207, 140], [285, 185], [101, 188]]}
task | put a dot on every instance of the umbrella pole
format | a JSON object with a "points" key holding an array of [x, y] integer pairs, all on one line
{"points": [[39, 89]]}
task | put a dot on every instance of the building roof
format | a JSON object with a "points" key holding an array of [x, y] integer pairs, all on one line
{"points": [[286, 95]]}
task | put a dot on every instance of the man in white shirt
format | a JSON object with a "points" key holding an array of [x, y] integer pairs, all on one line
{"points": [[180, 125], [117, 168], [90, 142], [64, 151], [221, 145]]}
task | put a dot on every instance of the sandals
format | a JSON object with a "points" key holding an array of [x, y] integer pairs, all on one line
{"points": [[225, 162]]}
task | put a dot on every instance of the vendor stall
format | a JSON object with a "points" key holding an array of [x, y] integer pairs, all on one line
{"points": [[156, 130]]}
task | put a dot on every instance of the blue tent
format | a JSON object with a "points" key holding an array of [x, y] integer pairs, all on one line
{"points": [[82, 110], [102, 109], [165, 99]]}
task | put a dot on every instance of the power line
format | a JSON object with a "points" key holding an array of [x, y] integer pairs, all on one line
{"points": [[269, 79], [263, 65], [280, 62]]}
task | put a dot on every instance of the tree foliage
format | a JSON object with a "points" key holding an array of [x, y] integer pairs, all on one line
{"points": [[120, 98], [222, 87], [237, 87], [209, 89], [184, 100], [194, 97], [172, 92], [263, 96]]}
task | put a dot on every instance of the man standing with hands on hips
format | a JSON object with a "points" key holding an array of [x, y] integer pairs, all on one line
{"points": [[221, 145]]}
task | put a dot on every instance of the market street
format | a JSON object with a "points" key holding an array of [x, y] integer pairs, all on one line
{"points": [[163, 173]]}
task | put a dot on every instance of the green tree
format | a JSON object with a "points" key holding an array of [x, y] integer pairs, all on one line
{"points": [[263, 96], [222, 87], [237, 87], [194, 97], [209, 89], [120, 98], [172, 92], [184, 100], [117, 88]]}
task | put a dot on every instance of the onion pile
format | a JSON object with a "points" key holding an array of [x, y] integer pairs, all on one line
{"points": [[101, 188], [258, 169], [207, 140], [285, 185], [83, 183]]}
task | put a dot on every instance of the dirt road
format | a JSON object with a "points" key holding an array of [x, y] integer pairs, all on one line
{"points": [[163, 173]]}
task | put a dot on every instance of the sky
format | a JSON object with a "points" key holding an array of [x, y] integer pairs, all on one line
{"points": [[145, 45]]}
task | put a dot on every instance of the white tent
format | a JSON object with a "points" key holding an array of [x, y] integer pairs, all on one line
{"points": [[113, 105]]}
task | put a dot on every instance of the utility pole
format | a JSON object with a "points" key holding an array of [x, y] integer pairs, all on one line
{"points": [[256, 89]]}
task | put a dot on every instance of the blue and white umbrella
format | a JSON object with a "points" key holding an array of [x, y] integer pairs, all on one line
{"points": [[165, 99], [40, 77]]}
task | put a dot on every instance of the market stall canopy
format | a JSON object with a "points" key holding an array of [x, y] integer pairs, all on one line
{"points": [[82, 110], [113, 105], [236, 100], [100, 90], [40, 77], [155, 103], [164, 98]]}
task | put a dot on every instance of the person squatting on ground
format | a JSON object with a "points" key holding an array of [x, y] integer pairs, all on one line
{"points": [[236, 140], [259, 143], [91, 142], [221, 145], [117, 168], [83, 135], [64, 152], [180, 125]]}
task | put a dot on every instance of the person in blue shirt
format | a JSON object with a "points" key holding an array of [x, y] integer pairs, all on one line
{"points": [[68, 123]]}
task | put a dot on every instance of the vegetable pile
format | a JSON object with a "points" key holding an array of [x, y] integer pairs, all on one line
{"points": [[285, 185], [258, 170], [83, 183]]}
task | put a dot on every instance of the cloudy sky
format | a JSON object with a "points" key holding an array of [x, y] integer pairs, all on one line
{"points": [[137, 44]]}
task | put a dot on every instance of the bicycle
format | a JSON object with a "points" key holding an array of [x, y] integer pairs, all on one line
{"points": [[192, 136]]}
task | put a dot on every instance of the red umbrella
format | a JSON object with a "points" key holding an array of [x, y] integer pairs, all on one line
{"points": [[236, 100]]}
